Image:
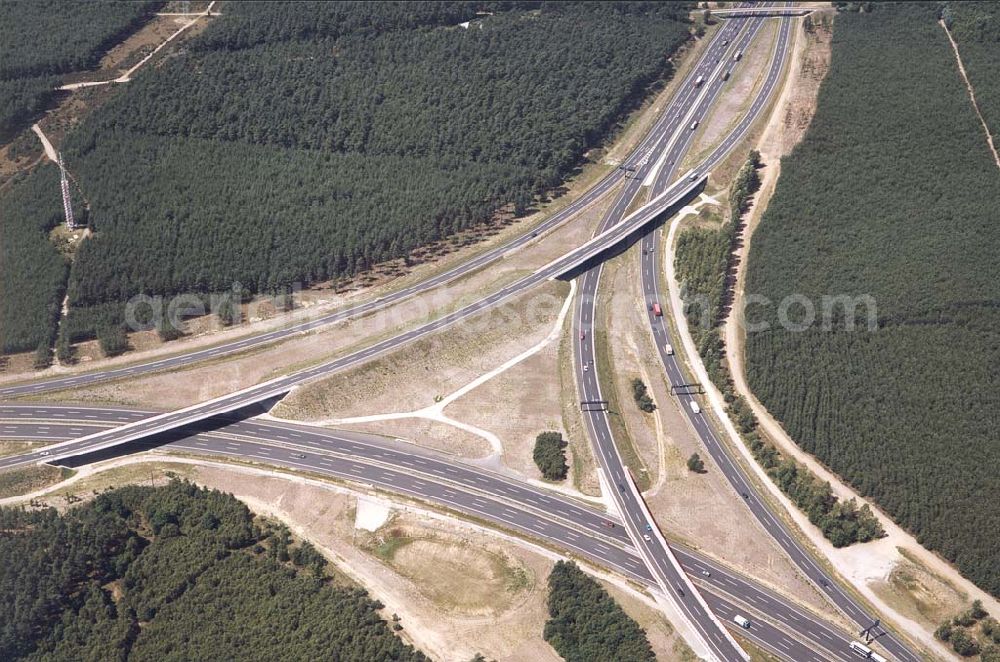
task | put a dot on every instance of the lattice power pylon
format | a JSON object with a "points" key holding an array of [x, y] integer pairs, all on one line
{"points": [[67, 203]]}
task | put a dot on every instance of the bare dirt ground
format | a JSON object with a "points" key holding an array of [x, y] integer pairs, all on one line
{"points": [[871, 567], [522, 402], [701, 510], [25, 480], [920, 594], [457, 589], [417, 375], [433, 367]]}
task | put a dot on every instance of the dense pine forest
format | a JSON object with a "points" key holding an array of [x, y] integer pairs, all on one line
{"points": [[285, 146], [32, 272], [586, 624], [893, 194], [176, 572], [975, 26], [40, 39], [704, 262]]}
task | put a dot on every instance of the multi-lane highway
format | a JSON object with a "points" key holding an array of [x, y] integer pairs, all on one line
{"points": [[777, 623], [691, 99], [608, 182], [282, 385], [659, 147], [731, 469], [612, 236], [645, 534]]}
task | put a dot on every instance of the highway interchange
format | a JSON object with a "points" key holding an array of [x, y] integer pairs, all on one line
{"points": [[668, 142], [401, 468], [672, 580]]}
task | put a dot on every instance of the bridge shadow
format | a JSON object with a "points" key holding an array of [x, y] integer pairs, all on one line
{"points": [[185, 433], [631, 238]]}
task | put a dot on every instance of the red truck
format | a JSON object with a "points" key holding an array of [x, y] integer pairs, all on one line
{"points": [[656, 310]]}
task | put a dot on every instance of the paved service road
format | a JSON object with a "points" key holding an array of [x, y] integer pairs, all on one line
{"points": [[730, 468], [417, 472]]}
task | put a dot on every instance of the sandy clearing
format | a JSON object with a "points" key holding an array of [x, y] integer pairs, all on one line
{"points": [[435, 412], [127, 75], [50, 151], [424, 372], [370, 515]]}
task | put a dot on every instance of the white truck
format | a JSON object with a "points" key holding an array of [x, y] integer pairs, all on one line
{"points": [[699, 80], [742, 621], [695, 407], [668, 349], [861, 649]]}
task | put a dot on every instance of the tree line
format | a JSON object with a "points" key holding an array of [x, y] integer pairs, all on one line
{"points": [[32, 272], [145, 573], [892, 194], [704, 261], [586, 624]]}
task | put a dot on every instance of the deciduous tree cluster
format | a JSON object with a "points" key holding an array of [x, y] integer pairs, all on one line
{"points": [[550, 455]]}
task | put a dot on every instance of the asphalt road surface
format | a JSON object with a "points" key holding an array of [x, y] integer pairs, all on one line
{"points": [[692, 98], [730, 468], [689, 96], [643, 531], [777, 624], [234, 401]]}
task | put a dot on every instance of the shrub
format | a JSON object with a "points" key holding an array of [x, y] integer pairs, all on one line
{"points": [[550, 456], [641, 396]]}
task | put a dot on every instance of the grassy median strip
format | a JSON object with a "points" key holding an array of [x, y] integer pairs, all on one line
{"points": [[619, 432]]}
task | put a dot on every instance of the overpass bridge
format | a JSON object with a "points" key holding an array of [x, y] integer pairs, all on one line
{"points": [[628, 230], [620, 236], [744, 12]]}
